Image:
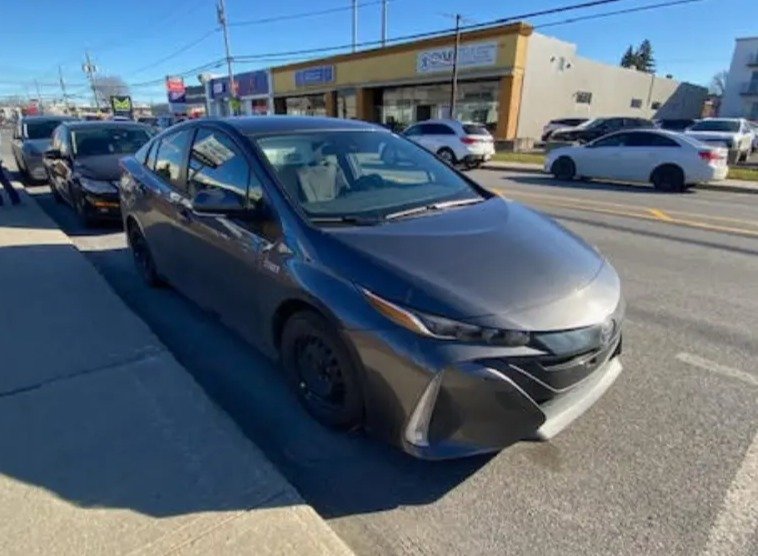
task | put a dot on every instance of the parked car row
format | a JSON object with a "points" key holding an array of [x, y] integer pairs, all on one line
{"points": [[327, 243], [736, 134]]}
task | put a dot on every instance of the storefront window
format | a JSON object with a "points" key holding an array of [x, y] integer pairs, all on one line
{"points": [[346, 105], [311, 105], [259, 107], [476, 102]]}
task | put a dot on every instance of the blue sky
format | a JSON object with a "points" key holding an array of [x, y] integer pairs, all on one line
{"points": [[691, 41]]}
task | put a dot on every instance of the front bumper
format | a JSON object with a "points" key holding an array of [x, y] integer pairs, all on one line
{"points": [[438, 401], [35, 168], [104, 206]]}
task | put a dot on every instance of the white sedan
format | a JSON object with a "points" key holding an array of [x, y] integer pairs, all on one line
{"points": [[669, 160]]}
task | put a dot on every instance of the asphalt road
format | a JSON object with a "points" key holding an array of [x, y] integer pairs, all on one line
{"points": [[665, 463]]}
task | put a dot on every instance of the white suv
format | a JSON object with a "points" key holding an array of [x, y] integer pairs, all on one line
{"points": [[454, 142], [733, 133]]}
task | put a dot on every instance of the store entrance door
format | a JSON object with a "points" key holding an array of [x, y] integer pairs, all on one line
{"points": [[423, 112]]}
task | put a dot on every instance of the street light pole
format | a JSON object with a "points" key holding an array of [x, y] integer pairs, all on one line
{"points": [[39, 96], [454, 84], [221, 10]]}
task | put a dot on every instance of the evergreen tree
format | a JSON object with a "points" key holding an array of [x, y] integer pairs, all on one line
{"points": [[644, 56], [628, 59]]}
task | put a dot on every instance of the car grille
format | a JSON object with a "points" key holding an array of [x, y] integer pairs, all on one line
{"points": [[545, 377]]}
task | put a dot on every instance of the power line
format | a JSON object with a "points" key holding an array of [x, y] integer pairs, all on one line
{"points": [[438, 32], [302, 15], [617, 12], [177, 52]]}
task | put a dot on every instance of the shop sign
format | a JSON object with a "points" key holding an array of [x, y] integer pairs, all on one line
{"points": [[176, 90], [314, 76], [122, 105], [472, 55]]}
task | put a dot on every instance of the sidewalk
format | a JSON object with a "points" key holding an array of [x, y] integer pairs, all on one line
{"points": [[733, 186], [107, 445]]}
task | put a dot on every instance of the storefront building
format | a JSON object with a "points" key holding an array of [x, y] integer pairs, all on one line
{"points": [[253, 91], [401, 84]]}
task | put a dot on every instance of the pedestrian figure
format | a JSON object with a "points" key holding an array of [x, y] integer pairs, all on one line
{"points": [[12, 193]]}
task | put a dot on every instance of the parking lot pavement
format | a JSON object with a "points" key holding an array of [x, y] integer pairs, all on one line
{"points": [[665, 463]]}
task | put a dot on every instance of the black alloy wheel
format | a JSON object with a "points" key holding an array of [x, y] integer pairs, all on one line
{"points": [[564, 168], [321, 371], [143, 259], [669, 178]]}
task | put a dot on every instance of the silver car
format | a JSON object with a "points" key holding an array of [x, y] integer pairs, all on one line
{"points": [[31, 138]]}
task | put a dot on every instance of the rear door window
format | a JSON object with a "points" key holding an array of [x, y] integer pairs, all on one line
{"points": [[439, 129], [649, 140], [171, 156], [475, 129], [618, 140]]}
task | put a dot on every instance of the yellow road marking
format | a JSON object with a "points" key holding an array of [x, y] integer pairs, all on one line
{"points": [[584, 200], [660, 215], [641, 213]]}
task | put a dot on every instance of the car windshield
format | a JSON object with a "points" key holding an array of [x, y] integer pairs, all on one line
{"points": [[716, 125], [108, 140], [367, 174], [42, 129]]}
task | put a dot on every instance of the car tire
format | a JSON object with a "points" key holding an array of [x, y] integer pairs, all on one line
{"points": [[320, 369], [143, 258], [668, 178], [447, 156], [80, 206], [57, 197], [563, 168]]}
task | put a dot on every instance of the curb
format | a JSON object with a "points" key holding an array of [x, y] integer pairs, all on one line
{"points": [[706, 186]]}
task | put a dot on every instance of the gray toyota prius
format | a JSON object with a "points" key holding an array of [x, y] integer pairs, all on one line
{"points": [[397, 294]]}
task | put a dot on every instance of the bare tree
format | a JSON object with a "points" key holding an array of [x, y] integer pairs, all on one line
{"points": [[718, 83], [108, 85]]}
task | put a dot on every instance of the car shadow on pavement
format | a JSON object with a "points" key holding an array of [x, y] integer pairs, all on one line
{"points": [[338, 473], [550, 182], [103, 428]]}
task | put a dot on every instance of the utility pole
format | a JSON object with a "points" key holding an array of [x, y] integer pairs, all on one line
{"points": [[454, 84], [355, 25], [90, 69], [384, 23], [221, 12], [63, 87], [39, 95]]}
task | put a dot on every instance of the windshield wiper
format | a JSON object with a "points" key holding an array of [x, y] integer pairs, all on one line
{"points": [[346, 219], [433, 207]]}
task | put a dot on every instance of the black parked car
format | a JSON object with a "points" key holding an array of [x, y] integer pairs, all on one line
{"points": [[83, 165], [599, 127], [398, 294], [675, 124]]}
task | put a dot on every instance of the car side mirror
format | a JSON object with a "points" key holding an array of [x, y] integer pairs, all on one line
{"points": [[53, 154], [219, 202]]}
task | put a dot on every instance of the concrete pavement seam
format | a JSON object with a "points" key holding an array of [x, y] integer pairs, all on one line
{"points": [[144, 355]]}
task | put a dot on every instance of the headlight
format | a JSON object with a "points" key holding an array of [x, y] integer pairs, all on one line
{"points": [[97, 186], [443, 328]]}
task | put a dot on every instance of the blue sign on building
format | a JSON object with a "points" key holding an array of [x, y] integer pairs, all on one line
{"points": [[319, 75], [248, 84]]}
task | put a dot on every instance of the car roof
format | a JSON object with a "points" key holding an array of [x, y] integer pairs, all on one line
{"points": [[85, 124], [282, 124], [47, 118]]}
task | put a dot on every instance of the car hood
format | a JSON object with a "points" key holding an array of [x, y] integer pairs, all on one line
{"points": [[103, 167], [37, 146], [496, 262]]}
